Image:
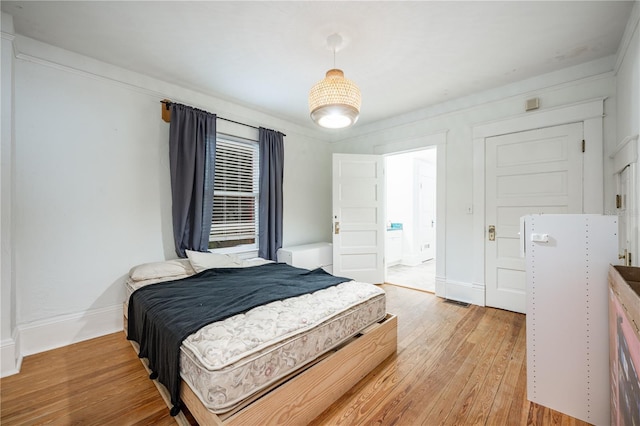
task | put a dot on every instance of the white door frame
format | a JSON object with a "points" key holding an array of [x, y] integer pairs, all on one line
{"points": [[591, 113], [626, 155], [439, 140]]}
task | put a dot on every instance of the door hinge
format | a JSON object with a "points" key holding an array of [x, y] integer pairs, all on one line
{"points": [[618, 201], [583, 145]]}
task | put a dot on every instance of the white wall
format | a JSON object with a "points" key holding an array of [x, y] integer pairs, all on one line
{"points": [[399, 173], [457, 118], [628, 79], [9, 354], [92, 189]]}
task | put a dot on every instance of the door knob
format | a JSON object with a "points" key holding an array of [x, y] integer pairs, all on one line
{"points": [[626, 256], [492, 232]]}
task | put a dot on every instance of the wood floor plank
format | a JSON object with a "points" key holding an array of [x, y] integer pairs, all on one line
{"points": [[464, 394], [454, 365], [519, 410], [503, 400], [495, 373], [457, 374], [429, 374]]}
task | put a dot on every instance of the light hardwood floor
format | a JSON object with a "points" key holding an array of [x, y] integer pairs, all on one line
{"points": [[454, 366]]}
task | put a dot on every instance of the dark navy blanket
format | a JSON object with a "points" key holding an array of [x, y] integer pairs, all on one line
{"points": [[162, 315]]}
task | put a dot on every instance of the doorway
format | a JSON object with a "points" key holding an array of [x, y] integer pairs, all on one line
{"points": [[410, 237]]}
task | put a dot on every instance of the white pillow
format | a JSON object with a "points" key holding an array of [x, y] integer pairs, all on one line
{"points": [[155, 270], [201, 261], [255, 261], [139, 284]]}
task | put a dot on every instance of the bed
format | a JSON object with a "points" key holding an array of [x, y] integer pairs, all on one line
{"points": [[283, 362]]}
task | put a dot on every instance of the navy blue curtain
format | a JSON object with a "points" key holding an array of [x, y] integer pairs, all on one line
{"points": [[270, 203], [192, 150]]}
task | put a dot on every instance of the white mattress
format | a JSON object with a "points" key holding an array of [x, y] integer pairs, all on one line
{"points": [[227, 362]]}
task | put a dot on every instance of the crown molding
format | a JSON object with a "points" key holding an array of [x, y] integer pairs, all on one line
{"points": [[43, 54], [627, 36]]}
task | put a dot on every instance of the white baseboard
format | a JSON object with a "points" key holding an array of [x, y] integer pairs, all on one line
{"points": [[464, 292], [10, 357], [441, 287], [64, 330]]}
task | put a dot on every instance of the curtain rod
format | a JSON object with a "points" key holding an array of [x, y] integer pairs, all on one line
{"points": [[167, 117]]}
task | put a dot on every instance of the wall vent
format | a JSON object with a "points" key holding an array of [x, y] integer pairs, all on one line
{"points": [[532, 104]]}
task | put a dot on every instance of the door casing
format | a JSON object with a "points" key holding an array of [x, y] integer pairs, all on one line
{"points": [[625, 168], [439, 140], [590, 113]]}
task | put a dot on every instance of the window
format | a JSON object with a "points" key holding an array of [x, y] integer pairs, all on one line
{"points": [[235, 198]]}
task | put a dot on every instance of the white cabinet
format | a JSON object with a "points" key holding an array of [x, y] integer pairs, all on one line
{"points": [[393, 247], [308, 256], [567, 261]]}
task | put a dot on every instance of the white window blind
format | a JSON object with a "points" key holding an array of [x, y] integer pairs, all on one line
{"points": [[235, 200]]}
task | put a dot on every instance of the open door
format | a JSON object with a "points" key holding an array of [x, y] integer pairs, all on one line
{"points": [[358, 217]]}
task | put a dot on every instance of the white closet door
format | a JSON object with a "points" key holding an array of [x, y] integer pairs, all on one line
{"points": [[537, 171]]}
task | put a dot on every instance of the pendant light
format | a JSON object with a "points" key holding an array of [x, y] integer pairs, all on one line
{"points": [[334, 102]]}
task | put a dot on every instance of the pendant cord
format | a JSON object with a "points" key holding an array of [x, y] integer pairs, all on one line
{"points": [[333, 42]]}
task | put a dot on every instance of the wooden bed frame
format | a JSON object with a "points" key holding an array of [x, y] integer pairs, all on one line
{"points": [[304, 395]]}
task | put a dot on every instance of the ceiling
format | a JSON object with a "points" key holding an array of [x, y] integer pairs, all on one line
{"points": [[404, 56]]}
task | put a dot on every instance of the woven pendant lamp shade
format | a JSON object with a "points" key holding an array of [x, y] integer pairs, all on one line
{"points": [[334, 102]]}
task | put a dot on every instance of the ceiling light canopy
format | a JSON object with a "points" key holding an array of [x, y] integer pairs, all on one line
{"points": [[334, 102]]}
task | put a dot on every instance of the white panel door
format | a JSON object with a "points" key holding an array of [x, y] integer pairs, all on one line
{"points": [[623, 213], [537, 171], [358, 217]]}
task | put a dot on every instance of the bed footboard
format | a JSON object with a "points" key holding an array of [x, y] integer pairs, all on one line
{"points": [[307, 394]]}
